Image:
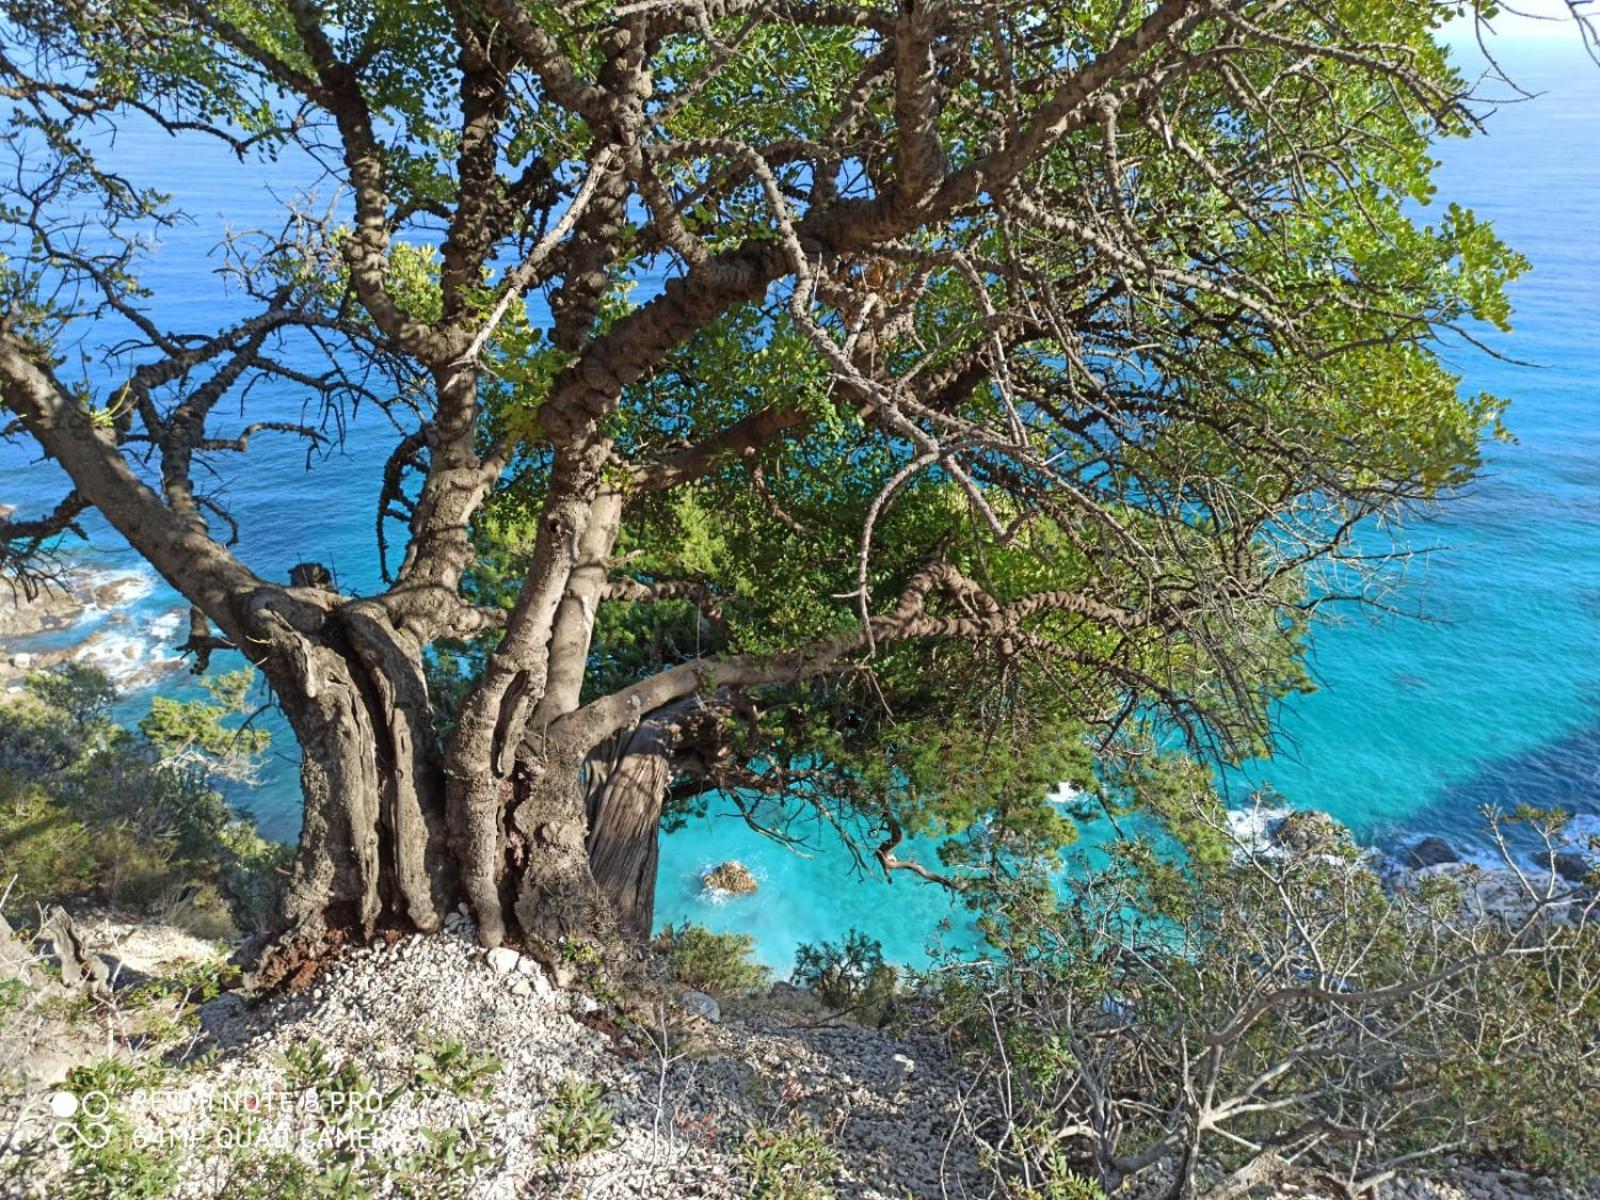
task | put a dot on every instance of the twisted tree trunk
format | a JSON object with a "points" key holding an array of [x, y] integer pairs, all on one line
{"points": [[373, 850], [627, 782]]}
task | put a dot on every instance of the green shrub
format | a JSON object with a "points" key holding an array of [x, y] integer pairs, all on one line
{"points": [[448, 1066], [107, 1160], [132, 817], [448, 1166], [794, 1162], [576, 1124], [722, 964], [851, 977], [1201, 1009]]}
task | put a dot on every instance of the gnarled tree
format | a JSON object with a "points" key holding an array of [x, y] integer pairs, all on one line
{"points": [[825, 399]]}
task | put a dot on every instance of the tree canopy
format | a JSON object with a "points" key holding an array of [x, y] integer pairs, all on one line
{"points": [[898, 408]]}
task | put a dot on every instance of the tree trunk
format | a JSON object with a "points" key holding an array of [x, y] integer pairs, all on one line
{"points": [[577, 828], [373, 849], [627, 783]]}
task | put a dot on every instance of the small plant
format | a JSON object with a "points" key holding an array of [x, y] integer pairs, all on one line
{"points": [[108, 1160], [449, 1166], [308, 1066], [588, 963], [277, 1175], [14, 995], [794, 1162], [446, 1064], [577, 1124], [1061, 1182], [722, 964], [851, 977], [191, 983]]}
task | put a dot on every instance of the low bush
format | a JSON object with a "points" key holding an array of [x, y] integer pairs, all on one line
{"points": [[132, 818], [577, 1124], [722, 964], [790, 1162], [1178, 1009], [851, 977]]}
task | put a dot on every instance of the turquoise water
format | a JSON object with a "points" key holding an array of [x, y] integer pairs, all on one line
{"points": [[1493, 699]]}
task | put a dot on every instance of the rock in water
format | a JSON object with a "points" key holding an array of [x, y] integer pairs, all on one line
{"points": [[732, 878], [1431, 852], [1308, 832], [1571, 866]]}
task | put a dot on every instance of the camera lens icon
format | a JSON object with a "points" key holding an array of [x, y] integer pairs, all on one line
{"points": [[80, 1120]]}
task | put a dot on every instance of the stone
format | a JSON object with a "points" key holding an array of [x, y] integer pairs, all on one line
{"points": [[22, 661], [1308, 832], [503, 959], [1572, 866], [521, 986], [731, 878], [214, 1014], [1431, 852], [51, 608], [701, 1005]]}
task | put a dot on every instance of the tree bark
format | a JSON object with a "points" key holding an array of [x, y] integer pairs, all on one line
{"points": [[628, 778], [373, 849], [547, 885], [627, 784]]}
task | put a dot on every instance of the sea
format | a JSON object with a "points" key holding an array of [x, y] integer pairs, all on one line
{"points": [[1478, 687]]}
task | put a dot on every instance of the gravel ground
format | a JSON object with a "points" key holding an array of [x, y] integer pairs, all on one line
{"points": [[684, 1093], [688, 1097]]}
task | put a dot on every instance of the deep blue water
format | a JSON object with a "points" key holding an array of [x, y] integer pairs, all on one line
{"points": [[1494, 698]]}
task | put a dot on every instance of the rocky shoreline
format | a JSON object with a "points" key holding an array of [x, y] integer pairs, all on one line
{"points": [[1507, 889], [73, 598]]}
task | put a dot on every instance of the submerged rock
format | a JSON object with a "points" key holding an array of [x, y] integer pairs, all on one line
{"points": [[732, 878], [1572, 866], [1431, 852]]}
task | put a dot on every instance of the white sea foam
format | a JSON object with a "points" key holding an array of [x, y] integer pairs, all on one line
{"points": [[1252, 827], [1066, 793], [1581, 828], [135, 654], [165, 627], [107, 591]]}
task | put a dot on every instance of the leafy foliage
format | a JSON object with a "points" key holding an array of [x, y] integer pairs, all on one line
{"points": [[851, 976], [576, 1125], [722, 964], [87, 807], [447, 1064], [790, 1162]]}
